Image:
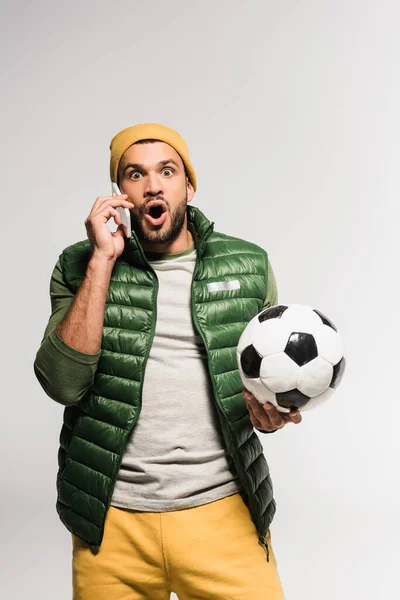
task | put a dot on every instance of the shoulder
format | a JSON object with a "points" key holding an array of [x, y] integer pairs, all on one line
{"points": [[76, 253], [228, 244], [73, 261]]}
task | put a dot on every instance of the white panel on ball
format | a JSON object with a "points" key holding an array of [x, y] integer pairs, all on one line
{"points": [[279, 372], [315, 377], [318, 400], [329, 344], [271, 337], [302, 318]]}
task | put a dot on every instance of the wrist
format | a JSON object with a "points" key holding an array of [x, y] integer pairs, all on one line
{"points": [[99, 262]]}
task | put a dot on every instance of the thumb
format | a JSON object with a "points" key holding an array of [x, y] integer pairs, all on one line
{"points": [[119, 232]]}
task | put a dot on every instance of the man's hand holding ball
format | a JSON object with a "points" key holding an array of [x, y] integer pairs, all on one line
{"points": [[266, 416]]}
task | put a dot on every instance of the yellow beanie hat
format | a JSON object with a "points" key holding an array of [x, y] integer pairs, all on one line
{"points": [[125, 138]]}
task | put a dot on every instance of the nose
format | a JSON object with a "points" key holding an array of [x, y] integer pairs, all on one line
{"points": [[153, 185]]}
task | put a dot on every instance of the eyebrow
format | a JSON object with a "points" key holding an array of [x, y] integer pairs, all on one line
{"points": [[142, 167]]}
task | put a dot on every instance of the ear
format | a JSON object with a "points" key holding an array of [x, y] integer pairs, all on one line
{"points": [[190, 189]]}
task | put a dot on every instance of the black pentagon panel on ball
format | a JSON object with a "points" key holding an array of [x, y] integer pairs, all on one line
{"points": [[291, 399], [338, 371], [274, 312], [301, 348], [250, 362], [325, 319]]}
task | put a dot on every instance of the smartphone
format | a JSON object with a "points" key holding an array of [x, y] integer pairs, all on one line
{"points": [[124, 213]]}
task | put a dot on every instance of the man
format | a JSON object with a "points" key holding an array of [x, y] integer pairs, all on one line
{"points": [[162, 480]]}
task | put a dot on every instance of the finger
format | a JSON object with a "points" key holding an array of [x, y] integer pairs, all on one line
{"points": [[116, 201], [270, 410], [248, 397], [261, 414], [263, 422], [102, 199], [295, 416], [287, 417], [103, 215], [277, 419], [116, 215], [254, 405], [105, 211], [118, 232], [292, 417], [254, 421]]}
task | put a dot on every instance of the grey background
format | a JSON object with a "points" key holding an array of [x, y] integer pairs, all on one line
{"points": [[291, 112]]}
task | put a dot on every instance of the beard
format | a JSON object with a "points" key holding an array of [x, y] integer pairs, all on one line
{"points": [[158, 235]]}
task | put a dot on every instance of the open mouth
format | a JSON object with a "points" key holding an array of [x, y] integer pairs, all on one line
{"points": [[156, 212]]}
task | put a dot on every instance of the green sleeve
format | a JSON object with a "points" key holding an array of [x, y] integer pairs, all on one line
{"points": [[271, 297], [270, 300], [64, 373]]}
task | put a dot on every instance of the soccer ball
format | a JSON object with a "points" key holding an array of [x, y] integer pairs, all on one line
{"points": [[291, 356]]}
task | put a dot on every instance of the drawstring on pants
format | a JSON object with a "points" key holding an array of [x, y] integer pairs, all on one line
{"points": [[263, 542]]}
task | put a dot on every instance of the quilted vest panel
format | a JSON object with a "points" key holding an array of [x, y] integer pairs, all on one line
{"points": [[95, 430]]}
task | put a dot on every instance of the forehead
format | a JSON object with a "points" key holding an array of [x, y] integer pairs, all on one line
{"points": [[149, 154]]}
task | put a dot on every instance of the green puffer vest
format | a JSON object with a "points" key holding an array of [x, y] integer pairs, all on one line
{"points": [[96, 429]]}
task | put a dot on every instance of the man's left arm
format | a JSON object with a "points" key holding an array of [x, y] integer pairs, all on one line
{"points": [[271, 299], [268, 413]]}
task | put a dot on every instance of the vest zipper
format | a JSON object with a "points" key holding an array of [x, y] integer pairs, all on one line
{"points": [[261, 538]]}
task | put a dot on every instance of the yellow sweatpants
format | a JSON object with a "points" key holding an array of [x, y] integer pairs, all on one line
{"points": [[208, 552]]}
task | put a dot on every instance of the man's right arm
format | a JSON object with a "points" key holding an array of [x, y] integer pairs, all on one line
{"points": [[69, 353], [67, 359]]}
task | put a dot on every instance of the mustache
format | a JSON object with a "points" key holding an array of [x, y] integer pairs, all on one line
{"points": [[142, 208]]}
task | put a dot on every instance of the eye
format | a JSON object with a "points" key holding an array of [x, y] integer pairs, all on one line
{"points": [[168, 169], [134, 173]]}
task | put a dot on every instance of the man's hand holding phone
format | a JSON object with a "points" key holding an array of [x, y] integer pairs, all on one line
{"points": [[82, 326], [106, 244]]}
